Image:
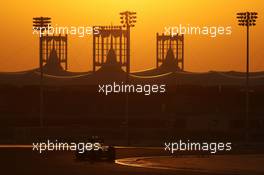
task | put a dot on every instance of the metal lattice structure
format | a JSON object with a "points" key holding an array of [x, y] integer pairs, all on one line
{"points": [[60, 44], [102, 44], [166, 42]]}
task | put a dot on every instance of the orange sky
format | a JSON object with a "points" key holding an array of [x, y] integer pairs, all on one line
{"points": [[19, 48]]}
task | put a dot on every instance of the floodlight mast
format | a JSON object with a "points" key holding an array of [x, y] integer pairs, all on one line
{"points": [[41, 24], [247, 19], [128, 20]]}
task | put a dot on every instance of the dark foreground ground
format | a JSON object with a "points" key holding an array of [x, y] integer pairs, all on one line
{"points": [[23, 161]]}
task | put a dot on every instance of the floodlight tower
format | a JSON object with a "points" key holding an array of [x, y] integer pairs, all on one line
{"points": [[247, 19], [128, 20], [41, 24]]}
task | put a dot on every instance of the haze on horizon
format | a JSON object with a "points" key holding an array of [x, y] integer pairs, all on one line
{"points": [[19, 48]]}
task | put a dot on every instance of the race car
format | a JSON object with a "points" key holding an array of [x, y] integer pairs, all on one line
{"points": [[100, 152]]}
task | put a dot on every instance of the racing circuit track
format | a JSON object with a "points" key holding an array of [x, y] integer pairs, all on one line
{"points": [[24, 161]]}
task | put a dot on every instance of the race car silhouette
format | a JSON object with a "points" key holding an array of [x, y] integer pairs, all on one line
{"points": [[100, 152]]}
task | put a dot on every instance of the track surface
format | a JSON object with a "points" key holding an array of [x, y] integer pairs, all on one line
{"points": [[24, 161]]}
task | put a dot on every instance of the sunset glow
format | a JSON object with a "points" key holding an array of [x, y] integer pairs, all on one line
{"points": [[19, 48]]}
